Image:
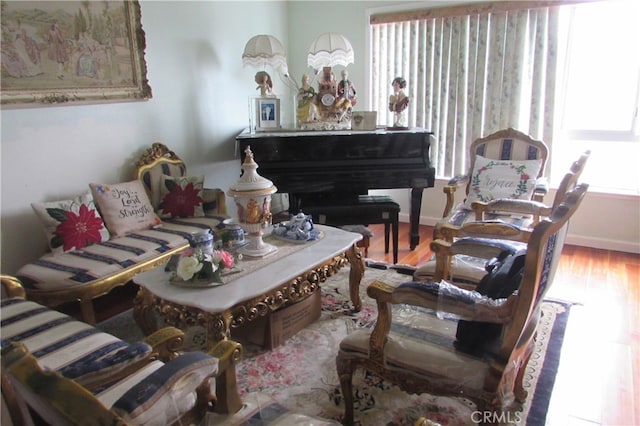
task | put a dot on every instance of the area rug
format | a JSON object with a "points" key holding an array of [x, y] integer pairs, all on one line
{"points": [[301, 373]]}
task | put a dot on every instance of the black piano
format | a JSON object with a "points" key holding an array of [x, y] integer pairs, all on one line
{"points": [[312, 164]]}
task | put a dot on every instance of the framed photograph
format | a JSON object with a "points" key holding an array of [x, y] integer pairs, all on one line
{"points": [[63, 52], [364, 120], [267, 113]]}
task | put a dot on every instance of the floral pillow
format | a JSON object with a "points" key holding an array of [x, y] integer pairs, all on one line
{"points": [[181, 196], [71, 224], [125, 206], [493, 179]]}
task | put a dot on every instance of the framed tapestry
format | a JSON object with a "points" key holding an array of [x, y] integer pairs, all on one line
{"points": [[64, 52]]}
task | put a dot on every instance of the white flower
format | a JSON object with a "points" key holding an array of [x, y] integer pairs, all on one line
{"points": [[188, 266]]}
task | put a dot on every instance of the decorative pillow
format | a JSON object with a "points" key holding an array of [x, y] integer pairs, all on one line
{"points": [[125, 206], [71, 224], [493, 179], [181, 196]]}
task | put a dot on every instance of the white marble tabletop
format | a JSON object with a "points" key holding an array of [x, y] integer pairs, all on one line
{"points": [[254, 284]]}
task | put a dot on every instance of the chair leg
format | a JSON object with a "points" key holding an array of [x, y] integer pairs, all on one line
{"points": [[345, 373], [88, 314], [395, 240], [518, 389], [387, 229]]}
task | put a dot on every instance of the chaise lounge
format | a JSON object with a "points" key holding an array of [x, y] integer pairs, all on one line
{"points": [[79, 270]]}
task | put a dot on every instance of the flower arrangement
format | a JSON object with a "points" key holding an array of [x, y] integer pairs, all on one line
{"points": [[197, 265]]}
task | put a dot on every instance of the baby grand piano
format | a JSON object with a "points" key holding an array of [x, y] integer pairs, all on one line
{"points": [[314, 164]]}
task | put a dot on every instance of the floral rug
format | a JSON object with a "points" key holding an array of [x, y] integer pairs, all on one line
{"points": [[301, 373]]}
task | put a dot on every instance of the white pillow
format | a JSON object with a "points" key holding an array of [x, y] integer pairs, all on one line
{"points": [[125, 207], [492, 179], [61, 221], [181, 197]]}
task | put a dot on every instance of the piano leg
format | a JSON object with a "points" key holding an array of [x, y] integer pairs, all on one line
{"points": [[414, 217]]}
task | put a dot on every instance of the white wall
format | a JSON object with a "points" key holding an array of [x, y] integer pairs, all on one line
{"points": [[199, 104]]}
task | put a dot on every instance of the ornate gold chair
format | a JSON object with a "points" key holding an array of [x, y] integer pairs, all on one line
{"points": [[69, 372], [465, 269], [159, 161], [413, 341], [505, 164]]}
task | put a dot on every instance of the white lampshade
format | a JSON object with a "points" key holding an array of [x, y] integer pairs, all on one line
{"points": [[328, 50], [263, 50]]}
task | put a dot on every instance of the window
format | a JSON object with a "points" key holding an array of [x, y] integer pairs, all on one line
{"points": [[599, 93], [567, 74]]}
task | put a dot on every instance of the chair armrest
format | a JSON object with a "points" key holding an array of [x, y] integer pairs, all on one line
{"points": [[228, 398], [458, 180], [512, 206], [541, 189], [440, 298], [12, 287], [451, 301], [167, 343], [450, 188], [483, 248]]}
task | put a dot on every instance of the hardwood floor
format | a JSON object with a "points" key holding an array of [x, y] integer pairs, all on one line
{"points": [[598, 382]]}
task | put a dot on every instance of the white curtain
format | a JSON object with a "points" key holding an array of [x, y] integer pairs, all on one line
{"points": [[469, 75]]}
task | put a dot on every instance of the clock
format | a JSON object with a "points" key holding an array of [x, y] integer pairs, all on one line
{"points": [[328, 99]]}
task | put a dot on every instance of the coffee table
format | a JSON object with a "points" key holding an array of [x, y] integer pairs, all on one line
{"points": [[284, 281]]}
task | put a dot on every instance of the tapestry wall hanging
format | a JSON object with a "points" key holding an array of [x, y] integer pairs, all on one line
{"points": [[65, 52]]}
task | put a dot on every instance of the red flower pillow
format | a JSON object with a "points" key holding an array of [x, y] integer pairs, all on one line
{"points": [[71, 224], [181, 197]]}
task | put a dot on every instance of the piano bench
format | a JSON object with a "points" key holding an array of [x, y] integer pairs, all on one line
{"points": [[365, 210]]}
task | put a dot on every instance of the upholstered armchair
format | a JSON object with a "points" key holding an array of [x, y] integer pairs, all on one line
{"points": [[465, 269], [414, 345], [70, 372], [505, 164]]}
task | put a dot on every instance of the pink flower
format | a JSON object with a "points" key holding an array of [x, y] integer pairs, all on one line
{"points": [[225, 258]]}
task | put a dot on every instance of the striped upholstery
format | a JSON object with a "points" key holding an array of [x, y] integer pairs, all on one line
{"points": [[82, 267], [75, 349], [164, 393], [505, 149], [156, 393]]}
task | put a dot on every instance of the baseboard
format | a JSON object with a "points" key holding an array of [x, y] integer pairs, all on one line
{"points": [[572, 239], [601, 243]]}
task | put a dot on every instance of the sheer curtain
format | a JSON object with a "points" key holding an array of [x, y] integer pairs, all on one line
{"points": [[470, 71]]}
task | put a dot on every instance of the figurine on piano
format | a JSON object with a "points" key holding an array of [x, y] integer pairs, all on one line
{"points": [[398, 103], [265, 85], [306, 108]]}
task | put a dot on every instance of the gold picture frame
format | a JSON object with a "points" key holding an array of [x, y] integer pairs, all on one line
{"points": [[63, 52]]}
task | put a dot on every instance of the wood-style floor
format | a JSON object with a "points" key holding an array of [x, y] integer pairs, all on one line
{"points": [[598, 382]]}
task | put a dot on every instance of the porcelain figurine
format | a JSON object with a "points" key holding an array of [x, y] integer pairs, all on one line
{"points": [[299, 227], [398, 103]]}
